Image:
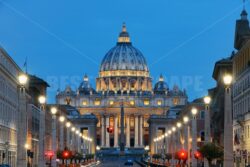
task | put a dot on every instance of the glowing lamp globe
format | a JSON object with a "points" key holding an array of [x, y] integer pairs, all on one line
{"points": [[227, 79], [207, 100], [42, 99], [53, 110], [61, 118], [185, 119], [194, 111], [22, 79], [178, 124], [68, 124]]}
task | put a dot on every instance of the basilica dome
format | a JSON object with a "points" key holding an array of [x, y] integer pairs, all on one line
{"points": [[124, 56], [123, 69]]}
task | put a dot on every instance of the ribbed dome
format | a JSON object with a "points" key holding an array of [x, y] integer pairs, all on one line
{"points": [[124, 56]]}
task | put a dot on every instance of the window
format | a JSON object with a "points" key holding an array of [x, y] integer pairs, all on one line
{"points": [[159, 102], [176, 101], [84, 103], [146, 102], [202, 114], [97, 102]]}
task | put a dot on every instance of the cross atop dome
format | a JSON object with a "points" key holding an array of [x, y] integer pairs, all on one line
{"points": [[124, 36]]}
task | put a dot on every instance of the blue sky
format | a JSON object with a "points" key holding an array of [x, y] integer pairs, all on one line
{"points": [[63, 40]]}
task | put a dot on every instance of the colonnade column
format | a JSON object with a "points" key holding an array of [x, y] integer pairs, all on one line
{"points": [[136, 130], [141, 131], [103, 131], [116, 132], [127, 131], [107, 134]]}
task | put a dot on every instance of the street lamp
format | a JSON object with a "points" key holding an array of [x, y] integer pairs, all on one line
{"points": [[61, 118], [207, 101], [53, 112], [194, 112], [178, 125], [68, 124], [42, 101], [185, 119], [187, 136], [61, 131], [228, 123], [22, 79]]}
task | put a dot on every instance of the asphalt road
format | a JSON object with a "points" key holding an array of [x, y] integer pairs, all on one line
{"points": [[115, 162]]}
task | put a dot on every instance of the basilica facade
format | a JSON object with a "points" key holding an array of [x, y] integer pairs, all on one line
{"points": [[123, 77]]}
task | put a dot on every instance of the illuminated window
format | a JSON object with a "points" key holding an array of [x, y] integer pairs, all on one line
{"points": [[84, 103], [176, 101], [97, 102], [111, 102], [132, 102], [146, 102], [159, 102]]}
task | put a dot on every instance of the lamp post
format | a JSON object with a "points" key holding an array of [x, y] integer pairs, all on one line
{"points": [[68, 125], [179, 144], [42, 101], [73, 143], [207, 101], [22, 121], [173, 144], [228, 123], [194, 112], [185, 120], [53, 112], [61, 136]]}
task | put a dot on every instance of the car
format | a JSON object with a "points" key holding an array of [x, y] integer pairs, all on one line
{"points": [[129, 163], [4, 165]]}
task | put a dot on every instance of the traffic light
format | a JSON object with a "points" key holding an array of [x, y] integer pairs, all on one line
{"points": [[197, 155], [182, 154], [110, 129], [66, 154], [49, 154]]}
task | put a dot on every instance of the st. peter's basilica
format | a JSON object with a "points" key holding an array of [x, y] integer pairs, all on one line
{"points": [[123, 76]]}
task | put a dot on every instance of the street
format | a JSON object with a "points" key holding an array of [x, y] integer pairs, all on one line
{"points": [[115, 162]]}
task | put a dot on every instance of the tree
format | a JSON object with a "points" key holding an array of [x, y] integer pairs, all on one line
{"points": [[211, 152]]}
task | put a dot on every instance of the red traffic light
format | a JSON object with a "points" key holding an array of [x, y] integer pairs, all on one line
{"points": [[65, 154], [182, 154], [49, 154], [197, 155], [110, 129]]}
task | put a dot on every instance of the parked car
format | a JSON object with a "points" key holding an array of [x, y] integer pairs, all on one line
{"points": [[129, 163]]}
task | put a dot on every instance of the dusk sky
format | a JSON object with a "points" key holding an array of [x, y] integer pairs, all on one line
{"points": [[63, 40]]}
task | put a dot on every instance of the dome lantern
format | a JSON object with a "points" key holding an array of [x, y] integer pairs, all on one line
{"points": [[124, 36]]}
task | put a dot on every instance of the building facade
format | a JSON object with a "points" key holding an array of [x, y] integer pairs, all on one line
{"points": [[9, 111], [124, 77], [241, 92]]}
